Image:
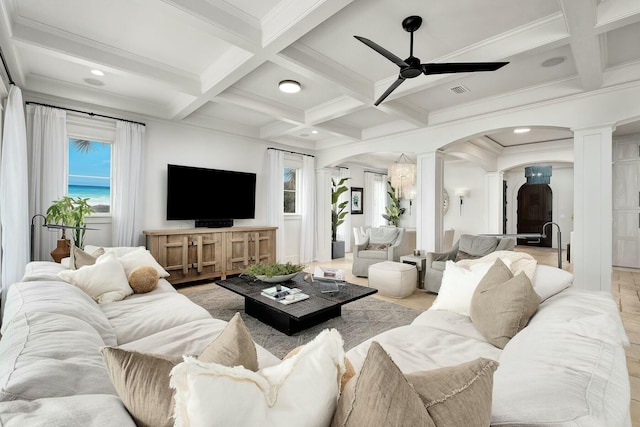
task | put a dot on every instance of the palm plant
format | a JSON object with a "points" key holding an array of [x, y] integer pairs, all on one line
{"points": [[71, 212], [394, 212], [338, 212]]}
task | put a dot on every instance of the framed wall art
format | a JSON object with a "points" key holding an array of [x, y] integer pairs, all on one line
{"points": [[357, 194]]}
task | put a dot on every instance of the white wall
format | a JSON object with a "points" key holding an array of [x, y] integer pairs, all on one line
{"points": [[462, 174]]}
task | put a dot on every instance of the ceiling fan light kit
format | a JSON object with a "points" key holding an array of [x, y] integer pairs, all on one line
{"points": [[411, 66]]}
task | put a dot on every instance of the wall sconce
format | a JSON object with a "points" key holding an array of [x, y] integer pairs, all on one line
{"points": [[462, 193], [411, 196]]}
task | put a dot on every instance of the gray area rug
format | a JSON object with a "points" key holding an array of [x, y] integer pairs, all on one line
{"points": [[360, 320]]}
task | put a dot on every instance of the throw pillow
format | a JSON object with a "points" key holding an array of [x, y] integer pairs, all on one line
{"points": [[349, 371], [143, 279], [502, 305], [458, 395], [299, 391], [79, 258], [138, 257], [548, 281], [377, 246], [381, 395], [457, 287], [142, 380], [104, 281]]}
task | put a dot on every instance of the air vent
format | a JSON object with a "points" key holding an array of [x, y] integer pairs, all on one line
{"points": [[459, 89]]}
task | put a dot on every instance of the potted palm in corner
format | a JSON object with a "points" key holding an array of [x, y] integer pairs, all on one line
{"points": [[70, 213], [394, 212], [338, 213]]}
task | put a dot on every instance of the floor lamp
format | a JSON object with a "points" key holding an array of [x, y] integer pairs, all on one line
{"points": [[50, 226], [538, 236]]}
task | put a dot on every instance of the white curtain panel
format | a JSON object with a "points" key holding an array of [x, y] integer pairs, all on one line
{"points": [[127, 210], [275, 197], [375, 196], [308, 229], [344, 231], [48, 159], [14, 193]]}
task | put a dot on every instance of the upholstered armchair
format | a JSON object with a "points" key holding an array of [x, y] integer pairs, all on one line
{"points": [[468, 246], [378, 244]]}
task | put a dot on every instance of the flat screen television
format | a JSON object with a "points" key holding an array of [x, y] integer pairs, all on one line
{"points": [[212, 197]]}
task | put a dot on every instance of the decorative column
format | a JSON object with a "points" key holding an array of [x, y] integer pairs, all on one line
{"points": [[323, 214], [493, 202], [429, 185], [593, 216]]}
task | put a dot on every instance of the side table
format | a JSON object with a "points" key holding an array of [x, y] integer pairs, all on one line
{"points": [[420, 262]]}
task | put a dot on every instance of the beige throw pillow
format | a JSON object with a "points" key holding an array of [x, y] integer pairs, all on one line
{"points": [[502, 305], [381, 395], [142, 380], [80, 258]]}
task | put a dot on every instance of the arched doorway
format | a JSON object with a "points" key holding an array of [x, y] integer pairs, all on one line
{"points": [[535, 207]]}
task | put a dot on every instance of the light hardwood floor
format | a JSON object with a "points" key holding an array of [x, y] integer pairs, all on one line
{"points": [[625, 288]]}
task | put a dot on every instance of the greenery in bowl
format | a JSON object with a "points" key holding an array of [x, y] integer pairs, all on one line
{"points": [[271, 270]]}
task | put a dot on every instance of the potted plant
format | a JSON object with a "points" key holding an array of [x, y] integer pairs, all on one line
{"points": [[338, 214], [70, 212], [394, 212]]}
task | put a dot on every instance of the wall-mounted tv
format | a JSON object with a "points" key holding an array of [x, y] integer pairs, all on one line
{"points": [[212, 197]]}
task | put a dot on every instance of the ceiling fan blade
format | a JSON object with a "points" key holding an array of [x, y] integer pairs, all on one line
{"points": [[461, 67], [391, 88], [384, 52]]}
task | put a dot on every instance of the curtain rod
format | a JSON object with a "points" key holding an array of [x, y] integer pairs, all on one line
{"points": [[6, 68], [376, 173], [85, 112], [291, 152]]}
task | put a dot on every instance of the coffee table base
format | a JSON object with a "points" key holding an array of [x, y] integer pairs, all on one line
{"points": [[285, 323]]}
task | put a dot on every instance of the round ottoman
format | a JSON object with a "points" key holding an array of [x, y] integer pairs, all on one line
{"points": [[393, 279]]}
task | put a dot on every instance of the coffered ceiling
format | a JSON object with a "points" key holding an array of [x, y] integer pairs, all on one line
{"points": [[217, 63]]}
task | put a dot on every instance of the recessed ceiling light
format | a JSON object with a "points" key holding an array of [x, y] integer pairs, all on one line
{"points": [[521, 130], [552, 62], [97, 73], [314, 131], [289, 86]]}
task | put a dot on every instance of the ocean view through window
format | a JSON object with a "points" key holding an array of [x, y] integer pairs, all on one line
{"points": [[90, 173]]}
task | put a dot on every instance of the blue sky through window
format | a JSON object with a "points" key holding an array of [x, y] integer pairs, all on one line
{"points": [[91, 168]]}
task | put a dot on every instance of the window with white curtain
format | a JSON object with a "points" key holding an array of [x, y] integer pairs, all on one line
{"points": [[375, 198], [292, 183], [90, 168]]}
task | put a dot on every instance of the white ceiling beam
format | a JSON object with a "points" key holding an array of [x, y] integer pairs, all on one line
{"points": [[115, 60], [341, 129], [586, 46], [223, 22], [276, 129], [405, 111], [545, 31], [8, 49], [81, 93], [616, 14], [309, 62], [257, 103], [291, 19], [332, 109]]}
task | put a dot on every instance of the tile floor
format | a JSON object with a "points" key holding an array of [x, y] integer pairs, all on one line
{"points": [[625, 288]]}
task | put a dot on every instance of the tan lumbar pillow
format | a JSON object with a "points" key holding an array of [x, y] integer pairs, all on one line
{"points": [[80, 258], [143, 279]]}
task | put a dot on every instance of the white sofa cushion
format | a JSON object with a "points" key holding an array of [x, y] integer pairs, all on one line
{"points": [[548, 281], [136, 318], [60, 298], [42, 270], [567, 367], [137, 258], [51, 355], [458, 285], [86, 410]]}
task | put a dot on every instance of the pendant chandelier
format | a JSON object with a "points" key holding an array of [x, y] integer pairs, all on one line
{"points": [[402, 174], [538, 174]]}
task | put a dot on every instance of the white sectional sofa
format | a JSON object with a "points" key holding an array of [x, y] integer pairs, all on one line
{"points": [[566, 368]]}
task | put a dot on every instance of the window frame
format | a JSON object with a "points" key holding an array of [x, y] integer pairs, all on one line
{"points": [[293, 162]]}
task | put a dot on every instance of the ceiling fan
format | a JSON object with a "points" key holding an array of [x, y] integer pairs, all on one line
{"points": [[411, 67]]}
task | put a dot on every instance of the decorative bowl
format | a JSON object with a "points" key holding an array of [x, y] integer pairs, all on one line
{"points": [[276, 279]]}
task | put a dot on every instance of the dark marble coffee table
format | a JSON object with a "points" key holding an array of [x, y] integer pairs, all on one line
{"points": [[292, 318]]}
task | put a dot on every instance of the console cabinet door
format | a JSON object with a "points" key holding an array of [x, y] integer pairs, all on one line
{"points": [[245, 248]]}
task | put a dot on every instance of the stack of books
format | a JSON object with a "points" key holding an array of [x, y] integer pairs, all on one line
{"points": [[284, 295]]}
